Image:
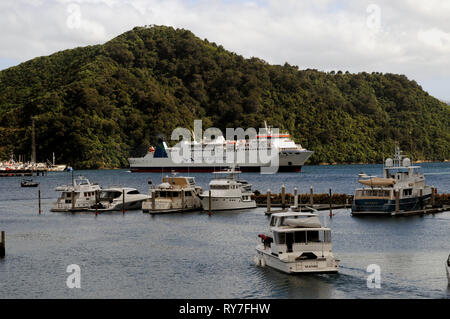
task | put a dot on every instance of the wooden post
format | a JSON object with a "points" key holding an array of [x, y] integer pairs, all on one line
{"points": [[397, 201], [421, 199], [295, 198], [268, 200], [3, 245], [39, 200], [209, 203], [432, 196], [153, 200], [123, 201], [331, 205], [182, 200], [311, 197], [283, 197], [96, 202], [73, 200]]}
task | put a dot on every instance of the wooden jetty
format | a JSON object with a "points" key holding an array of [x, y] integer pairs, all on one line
{"points": [[23, 172]]}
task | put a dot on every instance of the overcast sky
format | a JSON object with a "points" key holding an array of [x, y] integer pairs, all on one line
{"points": [[410, 37]]}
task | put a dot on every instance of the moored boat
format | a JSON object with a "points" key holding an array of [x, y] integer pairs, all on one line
{"points": [[79, 196], [227, 192], [174, 194], [402, 188], [119, 198]]}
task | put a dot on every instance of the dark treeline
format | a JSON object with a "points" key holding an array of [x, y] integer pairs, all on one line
{"points": [[95, 106]]}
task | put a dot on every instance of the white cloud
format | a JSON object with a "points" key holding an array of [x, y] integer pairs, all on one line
{"points": [[406, 36]]}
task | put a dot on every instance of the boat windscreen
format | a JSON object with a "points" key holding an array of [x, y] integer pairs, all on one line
{"points": [[110, 194]]}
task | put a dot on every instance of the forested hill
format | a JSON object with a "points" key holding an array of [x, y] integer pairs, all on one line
{"points": [[95, 106]]}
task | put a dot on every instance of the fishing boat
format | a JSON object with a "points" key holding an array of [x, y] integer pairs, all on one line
{"points": [[297, 243], [119, 198], [174, 194], [79, 196], [401, 188], [28, 183], [228, 192]]}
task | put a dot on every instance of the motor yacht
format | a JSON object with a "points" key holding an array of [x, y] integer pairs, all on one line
{"points": [[81, 195], [402, 184], [115, 198], [227, 192], [297, 243], [174, 194]]}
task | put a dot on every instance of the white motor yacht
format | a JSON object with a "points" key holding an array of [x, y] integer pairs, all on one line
{"points": [[112, 198], [174, 194], [227, 193], [297, 243], [79, 196]]}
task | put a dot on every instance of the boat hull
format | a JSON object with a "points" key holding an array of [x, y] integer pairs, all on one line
{"points": [[208, 169], [314, 266], [227, 203], [378, 206]]}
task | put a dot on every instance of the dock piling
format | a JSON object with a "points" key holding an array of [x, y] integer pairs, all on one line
{"points": [[96, 202], [283, 197], [39, 200], [182, 201], [123, 201], [311, 197], [3, 245], [433, 196], [331, 205], [154, 200], [397, 201], [268, 201], [73, 200], [295, 198], [209, 203]]}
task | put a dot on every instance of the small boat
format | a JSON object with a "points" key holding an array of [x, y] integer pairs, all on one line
{"points": [[174, 194], [28, 183], [447, 268], [228, 193], [112, 198], [402, 184], [79, 196], [297, 243]]}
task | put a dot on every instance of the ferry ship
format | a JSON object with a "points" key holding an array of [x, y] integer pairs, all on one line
{"points": [[286, 154]]}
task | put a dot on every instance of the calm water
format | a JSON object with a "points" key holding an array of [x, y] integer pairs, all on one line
{"points": [[199, 256]]}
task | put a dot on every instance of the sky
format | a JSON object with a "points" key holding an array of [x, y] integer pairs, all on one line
{"points": [[408, 37]]}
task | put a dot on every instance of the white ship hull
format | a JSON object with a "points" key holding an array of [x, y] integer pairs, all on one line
{"points": [[288, 161]]}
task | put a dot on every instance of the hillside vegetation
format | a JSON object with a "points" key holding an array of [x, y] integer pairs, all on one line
{"points": [[95, 106]]}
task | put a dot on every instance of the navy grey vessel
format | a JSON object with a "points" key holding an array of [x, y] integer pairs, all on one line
{"points": [[400, 180]]}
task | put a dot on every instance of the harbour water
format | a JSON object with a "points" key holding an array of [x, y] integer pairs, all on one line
{"points": [[193, 255]]}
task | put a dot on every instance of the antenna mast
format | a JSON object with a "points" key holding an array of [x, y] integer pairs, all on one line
{"points": [[33, 142]]}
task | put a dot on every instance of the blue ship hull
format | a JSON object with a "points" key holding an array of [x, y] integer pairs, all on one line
{"points": [[377, 206]]}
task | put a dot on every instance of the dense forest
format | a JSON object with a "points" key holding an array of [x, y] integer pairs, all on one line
{"points": [[95, 106]]}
